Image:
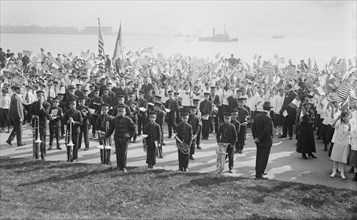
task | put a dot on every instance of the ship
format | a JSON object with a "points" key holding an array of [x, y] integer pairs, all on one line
{"points": [[275, 36], [106, 30], [219, 37]]}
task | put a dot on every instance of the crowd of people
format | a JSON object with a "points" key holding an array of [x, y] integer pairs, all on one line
{"points": [[89, 96]]}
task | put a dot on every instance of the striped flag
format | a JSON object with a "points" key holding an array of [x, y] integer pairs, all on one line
{"points": [[100, 40], [118, 50]]}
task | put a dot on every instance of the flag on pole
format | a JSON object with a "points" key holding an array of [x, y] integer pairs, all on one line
{"points": [[100, 40], [147, 50], [118, 50]]}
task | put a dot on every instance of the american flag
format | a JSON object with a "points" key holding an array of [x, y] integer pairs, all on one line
{"points": [[100, 40]]}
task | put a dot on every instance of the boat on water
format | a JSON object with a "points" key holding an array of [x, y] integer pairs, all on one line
{"points": [[219, 37], [277, 36]]}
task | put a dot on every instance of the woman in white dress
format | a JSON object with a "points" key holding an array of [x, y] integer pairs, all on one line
{"points": [[340, 139]]}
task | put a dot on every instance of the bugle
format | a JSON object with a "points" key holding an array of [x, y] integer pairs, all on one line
{"points": [[221, 156], [36, 136], [69, 143]]}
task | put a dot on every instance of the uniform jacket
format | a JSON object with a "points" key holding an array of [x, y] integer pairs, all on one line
{"points": [[77, 117], [57, 121], [85, 119], [124, 129], [101, 122], [226, 134], [42, 113], [184, 132], [153, 131], [206, 107]]}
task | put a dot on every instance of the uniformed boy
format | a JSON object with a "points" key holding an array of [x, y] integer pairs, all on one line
{"points": [[153, 140], [56, 114], [184, 135], [102, 125]]}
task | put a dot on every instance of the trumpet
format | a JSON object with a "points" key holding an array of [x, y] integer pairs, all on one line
{"points": [[84, 112], [36, 141], [69, 142], [105, 148]]}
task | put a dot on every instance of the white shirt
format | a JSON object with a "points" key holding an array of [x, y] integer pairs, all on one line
{"points": [[224, 96], [186, 99], [31, 97], [278, 102], [5, 101]]}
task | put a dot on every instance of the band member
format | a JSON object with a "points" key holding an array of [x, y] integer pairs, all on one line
{"points": [[206, 107], [85, 95], [16, 115], [133, 105], [41, 109], [86, 117], [243, 116], [56, 115], [216, 115], [171, 104], [78, 91], [194, 121], [184, 133], [101, 125], [227, 134], [106, 98], [28, 100], [70, 95], [143, 106], [199, 115], [153, 140], [95, 104], [178, 111], [236, 124], [262, 131], [74, 117], [121, 103], [62, 105], [124, 129], [160, 118]]}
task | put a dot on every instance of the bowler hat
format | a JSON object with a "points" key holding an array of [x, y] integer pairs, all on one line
{"points": [[267, 105]]}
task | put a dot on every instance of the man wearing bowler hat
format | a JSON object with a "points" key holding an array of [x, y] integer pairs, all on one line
{"points": [[16, 115], [262, 131]]}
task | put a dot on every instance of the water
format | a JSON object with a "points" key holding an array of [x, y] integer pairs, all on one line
{"points": [[295, 48]]}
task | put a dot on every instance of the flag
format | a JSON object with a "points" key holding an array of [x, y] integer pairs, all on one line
{"points": [[100, 40], [147, 50], [18, 80], [118, 50], [27, 52]]}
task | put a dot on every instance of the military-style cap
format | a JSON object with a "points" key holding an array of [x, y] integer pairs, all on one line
{"points": [[227, 114], [105, 105], [176, 93], [55, 99], [184, 114], [40, 92], [206, 93], [120, 96], [213, 87], [242, 99], [71, 87], [170, 91], [152, 113], [193, 107], [81, 98], [120, 107], [157, 103], [158, 97], [196, 100]]}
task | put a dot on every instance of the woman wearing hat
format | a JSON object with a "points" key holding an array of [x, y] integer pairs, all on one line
{"points": [[306, 140]]}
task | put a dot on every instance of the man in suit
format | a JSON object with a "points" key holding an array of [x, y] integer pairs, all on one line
{"points": [[206, 107], [173, 105], [262, 131], [194, 121], [16, 115], [40, 109], [288, 111]]}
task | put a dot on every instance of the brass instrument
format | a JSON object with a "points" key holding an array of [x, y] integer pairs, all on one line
{"points": [[69, 143], [36, 135], [182, 146], [84, 112], [145, 146], [221, 156]]}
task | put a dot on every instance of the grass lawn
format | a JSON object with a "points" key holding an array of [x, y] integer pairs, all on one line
{"points": [[59, 190]]}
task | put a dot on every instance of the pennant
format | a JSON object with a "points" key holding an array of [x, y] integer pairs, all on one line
{"points": [[27, 52], [118, 50]]}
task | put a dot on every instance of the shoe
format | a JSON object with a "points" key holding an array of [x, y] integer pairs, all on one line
{"points": [[261, 177], [163, 144], [170, 136], [355, 178], [265, 173], [282, 136], [50, 148], [8, 142], [312, 156], [93, 136], [230, 171], [184, 169], [59, 148], [290, 138], [19, 145], [198, 147], [125, 170], [86, 149], [351, 170], [161, 156], [333, 173], [74, 161], [304, 156], [191, 158], [239, 152], [343, 175]]}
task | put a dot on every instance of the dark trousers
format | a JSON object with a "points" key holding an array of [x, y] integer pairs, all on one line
{"points": [[17, 130], [121, 149], [205, 128], [192, 148], [288, 123], [27, 116], [93, 122], [72, 152], [183, 160], [106, 159], [198, 138], [4, 120], [262, 158], [242, 135], [84, 132], [171, 126], [151, 153], [54, 132], [230, 152], [141, 122], [42, 146], [328, 135]]}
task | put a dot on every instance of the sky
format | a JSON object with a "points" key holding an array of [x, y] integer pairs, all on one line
{"points": [[249, 18]]}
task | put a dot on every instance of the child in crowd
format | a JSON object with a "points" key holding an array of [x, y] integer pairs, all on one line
{"points": [[340, 140]]}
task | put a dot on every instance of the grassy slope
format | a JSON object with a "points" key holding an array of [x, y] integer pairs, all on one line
{"points": [[35, 189]]}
